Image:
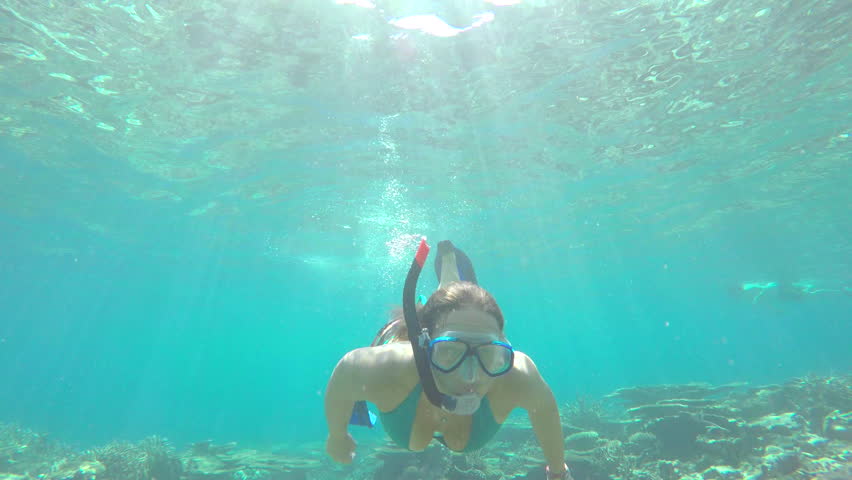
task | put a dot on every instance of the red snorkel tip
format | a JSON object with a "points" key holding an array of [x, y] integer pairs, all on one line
{"points": [[422, 252]]}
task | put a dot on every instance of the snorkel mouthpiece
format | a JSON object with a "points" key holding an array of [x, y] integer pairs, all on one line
{"points": [[466, 404]]}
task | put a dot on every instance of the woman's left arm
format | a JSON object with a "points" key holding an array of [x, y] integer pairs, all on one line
{"points": [[535, 396]]}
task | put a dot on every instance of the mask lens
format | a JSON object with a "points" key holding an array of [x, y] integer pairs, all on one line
{"points": [[448, 354], [495, 359]]}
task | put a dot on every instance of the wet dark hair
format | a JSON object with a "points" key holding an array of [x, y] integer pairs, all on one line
{"points": [[455, 296]]}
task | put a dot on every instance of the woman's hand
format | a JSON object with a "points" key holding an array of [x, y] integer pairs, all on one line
{"points": [[341, 448], [565, 475]]}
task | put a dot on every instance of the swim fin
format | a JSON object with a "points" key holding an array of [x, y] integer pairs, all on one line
{"points": [[362, 416], [463, 263]]}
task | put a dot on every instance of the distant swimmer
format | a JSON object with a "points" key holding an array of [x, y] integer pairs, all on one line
{"points": [[783, 290], [753, 290]]}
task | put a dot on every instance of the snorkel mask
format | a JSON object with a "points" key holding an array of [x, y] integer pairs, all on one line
{"points": [[465, 404]]}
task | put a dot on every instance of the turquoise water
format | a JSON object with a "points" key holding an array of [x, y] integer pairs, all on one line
{"points": [[204, 207]]}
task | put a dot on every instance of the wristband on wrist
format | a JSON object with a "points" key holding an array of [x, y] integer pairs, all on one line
{"points": [[566, 475]]}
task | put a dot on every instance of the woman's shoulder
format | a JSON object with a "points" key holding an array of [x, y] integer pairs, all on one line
{"points": [[387, 372], [385, 363], [523, 378], [523, 365], [396, 354]]}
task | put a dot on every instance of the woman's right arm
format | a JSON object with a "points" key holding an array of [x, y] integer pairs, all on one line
{"points": [[343, 391], [375, 374], [346, 386], [372, 374]]}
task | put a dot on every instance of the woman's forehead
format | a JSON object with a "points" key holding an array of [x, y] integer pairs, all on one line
{"points": [[470, 320], [471, 336]]}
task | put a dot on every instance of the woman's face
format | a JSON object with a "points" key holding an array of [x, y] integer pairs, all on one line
{"points": [[474, 327]]}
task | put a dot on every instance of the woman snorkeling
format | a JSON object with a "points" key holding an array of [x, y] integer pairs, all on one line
{"points": [[444, 371]]}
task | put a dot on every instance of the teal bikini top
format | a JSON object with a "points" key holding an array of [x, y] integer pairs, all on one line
{"points": [[399, 422]]}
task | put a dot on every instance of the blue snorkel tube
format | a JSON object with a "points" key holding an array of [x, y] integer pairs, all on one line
{"points": [[418, 336]]}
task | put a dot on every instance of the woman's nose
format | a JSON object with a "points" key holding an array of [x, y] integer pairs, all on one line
{"points": [[470, 370]]}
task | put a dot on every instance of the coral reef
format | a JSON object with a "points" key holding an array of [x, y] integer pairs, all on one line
{"points": [[799, 430], [153, 457], [23, 450]]}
